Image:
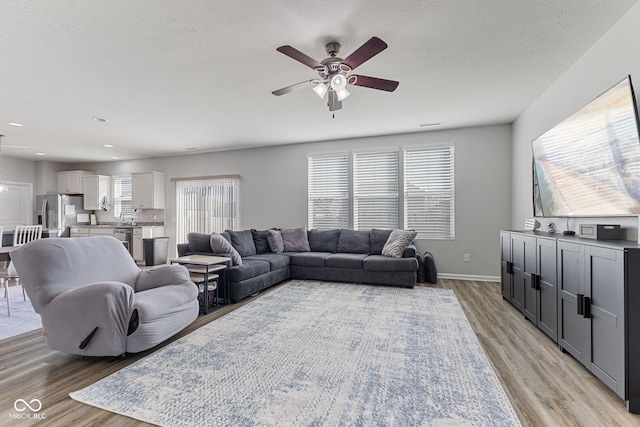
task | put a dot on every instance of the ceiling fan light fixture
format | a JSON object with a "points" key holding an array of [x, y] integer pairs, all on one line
{"points": [[338, 82], [321, 90], [342, 94]]}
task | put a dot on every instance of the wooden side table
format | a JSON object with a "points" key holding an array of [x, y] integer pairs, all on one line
{"points": [[203, 264]]}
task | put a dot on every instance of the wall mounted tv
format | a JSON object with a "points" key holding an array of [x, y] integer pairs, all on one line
{"points": [[589, 165]]}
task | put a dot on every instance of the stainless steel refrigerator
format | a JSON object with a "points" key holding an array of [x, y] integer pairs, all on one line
{"points": [[58, 212]]}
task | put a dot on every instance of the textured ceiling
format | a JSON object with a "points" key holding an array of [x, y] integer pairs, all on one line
{"points": [[173, 75]]}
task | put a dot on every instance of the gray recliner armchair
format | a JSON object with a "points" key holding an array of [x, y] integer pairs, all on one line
{"points": [[95, 301]]}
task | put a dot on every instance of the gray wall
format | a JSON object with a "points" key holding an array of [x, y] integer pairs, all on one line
{"points": [[607, 62], [274, 187]]}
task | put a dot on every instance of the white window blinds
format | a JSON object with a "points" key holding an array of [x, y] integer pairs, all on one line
{"points": [[429, 192], [328, 192], [375, 190], [207, 205], [122, 206]]}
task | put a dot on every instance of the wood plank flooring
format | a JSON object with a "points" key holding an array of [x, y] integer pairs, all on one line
{"points": [[545, 386]]}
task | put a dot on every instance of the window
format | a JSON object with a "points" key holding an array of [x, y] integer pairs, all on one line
{"points": [[410, 188], [122, 206], [375, 190], [429, 192], [207, 205], [328, 201]]}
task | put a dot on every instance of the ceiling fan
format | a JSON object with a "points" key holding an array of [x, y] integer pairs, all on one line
{"points": [[334, 72]]}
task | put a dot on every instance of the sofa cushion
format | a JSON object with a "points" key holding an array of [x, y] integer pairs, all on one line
{"points": [[295, 239], [249, 269], [242, 241], [220, 245], [260, 241], [309, 259], [324, 240], [429, 267], [274, 238], [378, 239], [276, 261], [199, 243], [385, 263], [344, 260], [354, 241], [396, 243]]}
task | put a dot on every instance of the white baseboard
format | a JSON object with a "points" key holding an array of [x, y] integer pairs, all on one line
{"points": [[469, 277]]}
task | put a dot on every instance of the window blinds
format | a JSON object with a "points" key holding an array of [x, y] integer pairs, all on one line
{"points": [[328, 192], [375, 190], [122, 205]]}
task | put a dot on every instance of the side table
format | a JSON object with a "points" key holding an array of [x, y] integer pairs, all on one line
{"points": [[204, 264]]}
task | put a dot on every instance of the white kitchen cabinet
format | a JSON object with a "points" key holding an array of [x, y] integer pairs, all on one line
{"points": [[101, 231], [71, 182], [145, 232], [147, 190], [79, 232], [96, 187]]}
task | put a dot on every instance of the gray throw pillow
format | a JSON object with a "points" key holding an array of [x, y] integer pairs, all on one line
{"points": [[378, 239], [275, 241], [199, 242], [396, 243], [260, 240], [295, 239], [220, 245], [242, 241]]}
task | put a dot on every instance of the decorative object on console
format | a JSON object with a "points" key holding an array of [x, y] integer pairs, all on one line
{"points": [[551, 227], [601, 232], [333, 72], [531, 224]]}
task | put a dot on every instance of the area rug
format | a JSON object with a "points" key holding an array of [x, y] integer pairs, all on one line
{"points": [[318, 354], [23, 317]]}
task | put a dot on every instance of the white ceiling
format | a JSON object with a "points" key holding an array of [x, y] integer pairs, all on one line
{"points": [[172, 75]]}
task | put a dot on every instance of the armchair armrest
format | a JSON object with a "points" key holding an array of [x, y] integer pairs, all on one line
{"points": [[73, 314], [183, 249], [162, 276]]}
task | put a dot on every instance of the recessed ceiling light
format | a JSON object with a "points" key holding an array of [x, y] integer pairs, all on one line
{"points": [[108, 145], [425, 125], [100, 119], [115, 157], [15, 124], [39, 154], [190, 149]]}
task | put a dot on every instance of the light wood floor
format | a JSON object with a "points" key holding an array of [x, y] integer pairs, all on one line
{"points": [[545, 386]]}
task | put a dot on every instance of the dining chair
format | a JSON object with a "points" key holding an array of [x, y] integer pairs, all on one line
{"points": [[22, 234]]}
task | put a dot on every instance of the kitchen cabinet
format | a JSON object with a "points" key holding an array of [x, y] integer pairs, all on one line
{"points": [[95, 188], [147, 190], [596, 286], [71, 182], [101, 231], [145, 232], [79, 232], [506, 266]]}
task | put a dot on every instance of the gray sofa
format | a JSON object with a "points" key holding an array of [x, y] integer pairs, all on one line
{"points": [[338, 255]]}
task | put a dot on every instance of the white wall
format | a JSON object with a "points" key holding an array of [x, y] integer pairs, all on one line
{"points": [[607, 62], [274, 187]]}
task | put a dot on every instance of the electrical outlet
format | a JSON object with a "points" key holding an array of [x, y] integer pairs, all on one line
{"points": [[467, 258]]}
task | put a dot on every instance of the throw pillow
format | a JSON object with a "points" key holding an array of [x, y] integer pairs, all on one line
{"points": [[242, 241], [378, 239], [295, 239], [430, 271], [324, 240], [260, 240], [396, 243], [220, 245], [354, 241], [275, 241]]}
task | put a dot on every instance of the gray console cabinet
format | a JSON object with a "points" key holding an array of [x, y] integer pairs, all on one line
{"points": [[596, 317]]}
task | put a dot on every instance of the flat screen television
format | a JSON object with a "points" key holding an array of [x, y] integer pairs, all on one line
{"points": [[589, 165]]}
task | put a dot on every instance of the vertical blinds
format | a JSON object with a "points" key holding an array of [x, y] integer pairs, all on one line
{"points": [[328, 191], [429, 192], [375, 190], [207, 205]]}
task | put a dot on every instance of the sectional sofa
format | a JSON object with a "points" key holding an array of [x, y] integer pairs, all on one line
{"points": [[262, 258]]}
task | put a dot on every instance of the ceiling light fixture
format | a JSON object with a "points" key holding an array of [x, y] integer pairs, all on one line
{"points": [[39, 154], [15, 124], [321, 90], [339, 85], [3, 186], [108, 145], [426, 125], [100, 119]]}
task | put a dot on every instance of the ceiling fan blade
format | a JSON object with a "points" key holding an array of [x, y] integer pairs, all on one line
{"points": [[294, 53], [365, 52], [297, 86], [334, 104], [373, 82]]}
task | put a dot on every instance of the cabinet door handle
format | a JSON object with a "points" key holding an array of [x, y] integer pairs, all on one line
{"points": [[580, 304], [586, 307], [509, 267]]}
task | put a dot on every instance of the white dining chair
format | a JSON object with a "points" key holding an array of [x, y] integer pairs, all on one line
{"points": [[22, 234]]}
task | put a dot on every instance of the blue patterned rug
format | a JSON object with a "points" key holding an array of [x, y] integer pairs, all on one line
{"points": [[23, 318], [321, 354]]}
